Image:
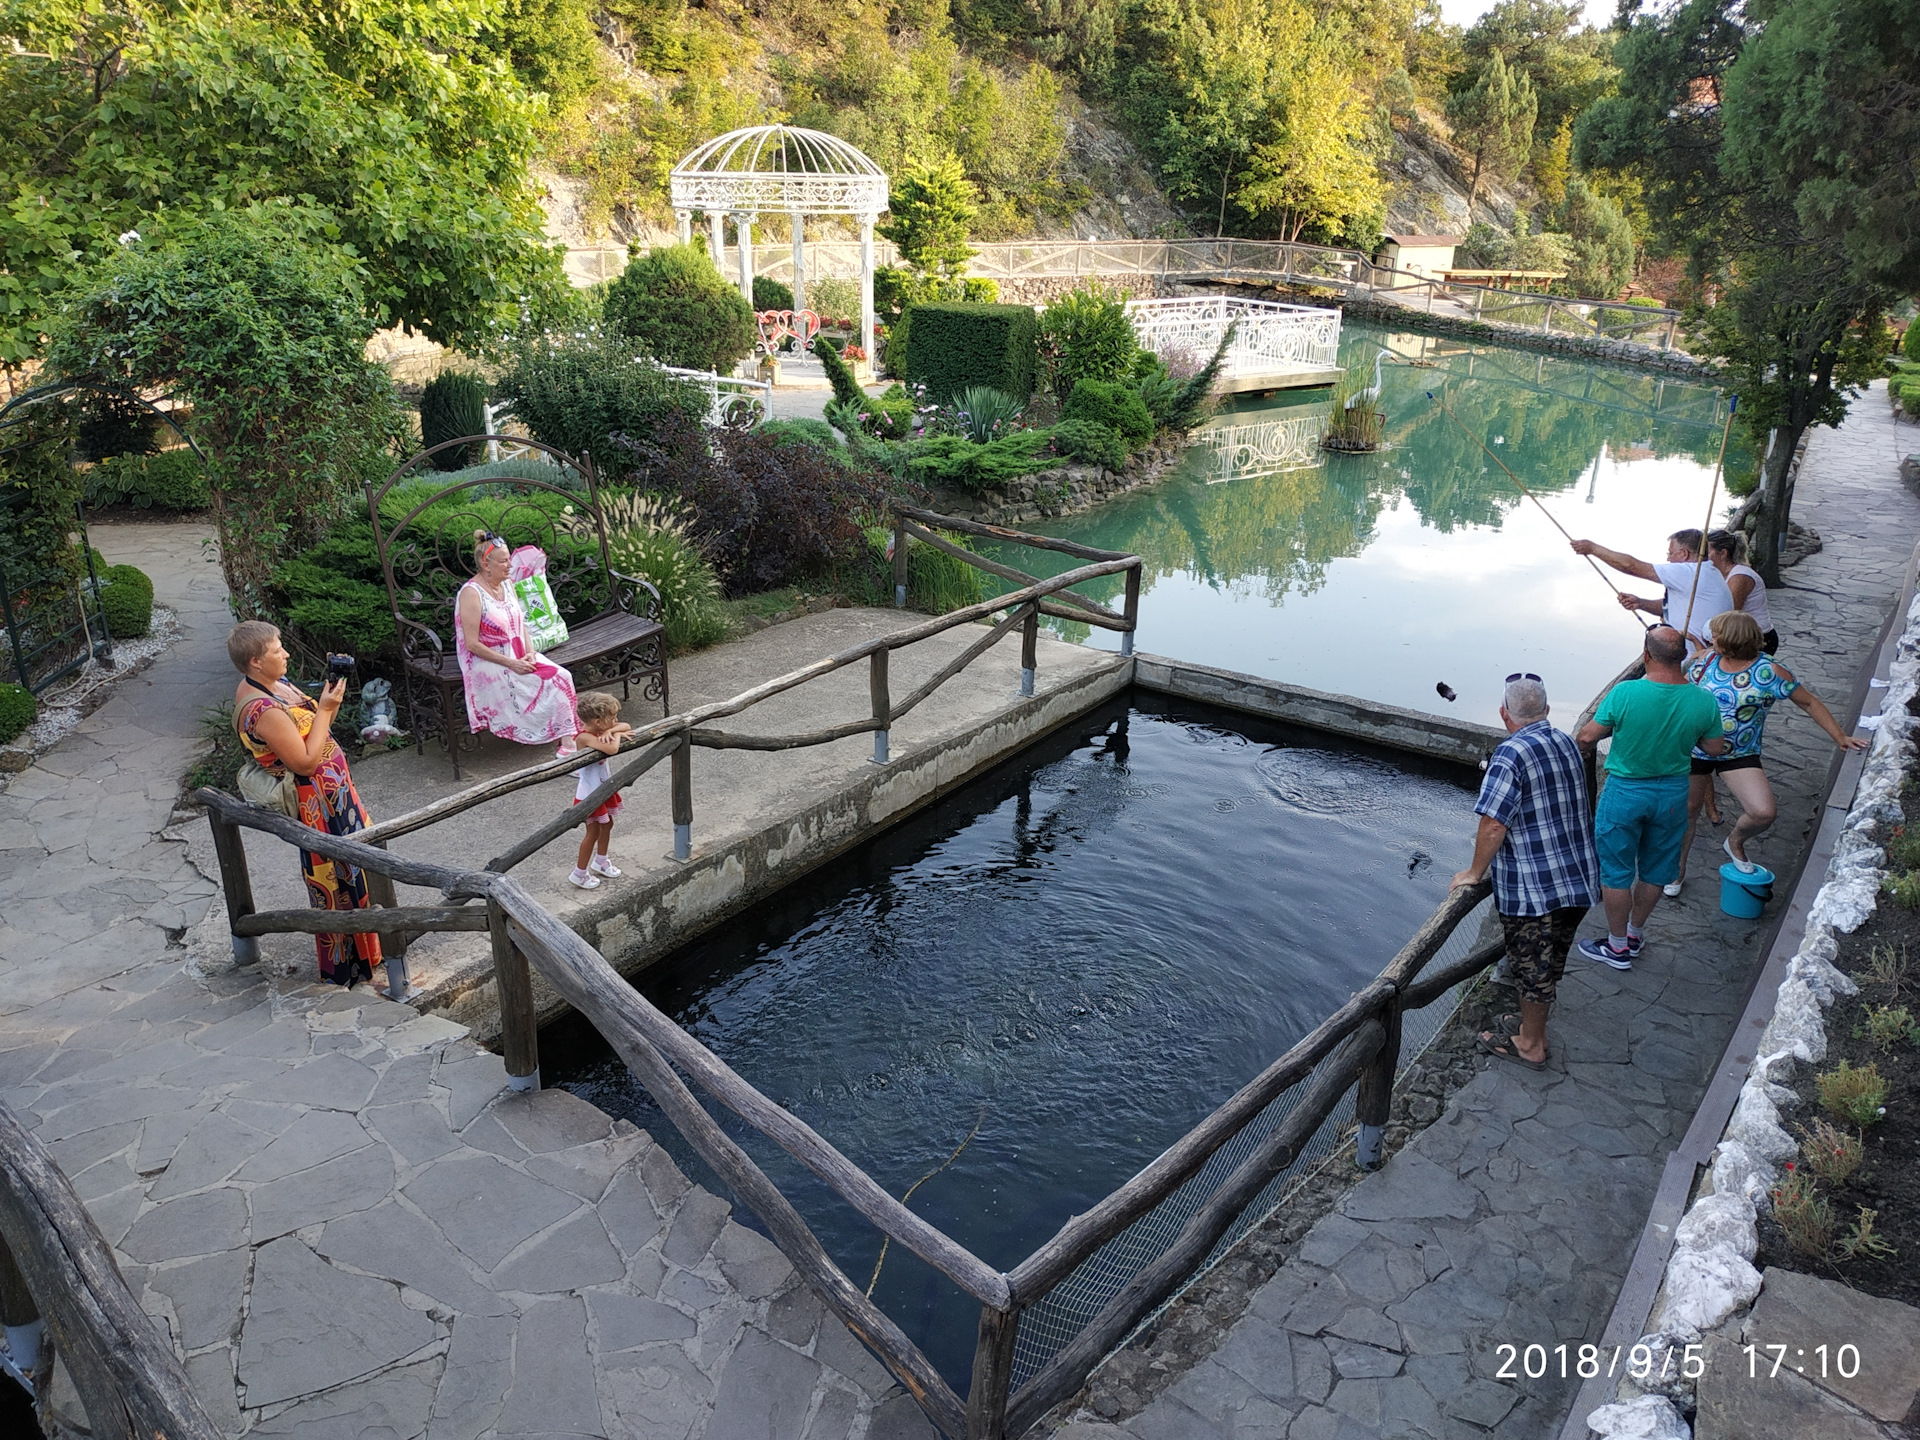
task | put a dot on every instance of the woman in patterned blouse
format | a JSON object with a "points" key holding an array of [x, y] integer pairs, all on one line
{"points": [[1746, 683]]}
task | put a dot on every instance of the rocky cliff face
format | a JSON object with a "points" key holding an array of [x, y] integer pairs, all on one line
{"points": [[1427, 189]]}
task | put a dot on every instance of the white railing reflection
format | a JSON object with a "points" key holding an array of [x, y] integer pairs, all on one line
{"points": [[1229, 448]]}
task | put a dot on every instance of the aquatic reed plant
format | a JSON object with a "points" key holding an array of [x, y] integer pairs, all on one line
{"points": [[1858, 1096], [1353, 423]]}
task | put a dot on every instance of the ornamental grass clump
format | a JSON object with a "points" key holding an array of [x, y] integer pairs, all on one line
{"points": [[1857, 1096], [650, 537], [983, 413], [1830, 1152], [1890, 1025], [1805, 1216]]}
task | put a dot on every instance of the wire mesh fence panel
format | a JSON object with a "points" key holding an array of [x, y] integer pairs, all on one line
{"points": [[1047, 1327], [52, 618]]}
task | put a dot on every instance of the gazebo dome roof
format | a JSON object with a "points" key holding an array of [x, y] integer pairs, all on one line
{"points": [[780, 168]]}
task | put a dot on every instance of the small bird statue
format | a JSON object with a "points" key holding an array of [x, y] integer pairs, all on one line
{"points": [[1372, 392]]}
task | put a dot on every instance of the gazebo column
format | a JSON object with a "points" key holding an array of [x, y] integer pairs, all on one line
{"points": [[866, 286], [799, 261], [717, 239], [684, 219], [743, 237]]}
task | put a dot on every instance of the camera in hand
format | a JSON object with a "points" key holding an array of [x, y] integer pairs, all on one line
{"points": [[339, 667]]}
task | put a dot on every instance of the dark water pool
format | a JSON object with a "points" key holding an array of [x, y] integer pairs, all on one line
{"points": [[1073, 959]]}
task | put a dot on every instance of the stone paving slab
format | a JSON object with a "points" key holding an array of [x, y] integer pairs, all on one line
{"points": [[332, 1205], [1513, 1218]]}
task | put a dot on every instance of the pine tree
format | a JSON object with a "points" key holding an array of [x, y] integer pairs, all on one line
{"points": [[1493, 123]]}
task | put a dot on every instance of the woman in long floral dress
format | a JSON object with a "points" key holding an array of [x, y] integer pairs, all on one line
{"points": [[512, 689], [287, 731]]}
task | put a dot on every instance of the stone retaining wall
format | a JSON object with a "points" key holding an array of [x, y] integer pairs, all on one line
{"points": [[1065, 490]]}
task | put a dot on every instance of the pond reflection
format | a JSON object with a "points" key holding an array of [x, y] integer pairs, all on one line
{"points": [[1379, 575]]}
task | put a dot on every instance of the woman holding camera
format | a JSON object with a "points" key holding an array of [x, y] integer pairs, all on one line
{"points": [[512, 689], [288, 732]]}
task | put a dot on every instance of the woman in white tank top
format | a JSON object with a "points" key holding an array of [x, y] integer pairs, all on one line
{"points": [[1727, 550]]}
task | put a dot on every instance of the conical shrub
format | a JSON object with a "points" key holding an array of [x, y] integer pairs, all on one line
{"points": [[454, 404]]}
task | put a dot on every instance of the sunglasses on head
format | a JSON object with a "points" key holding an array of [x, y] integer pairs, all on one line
{"points": [[1521, 675]]}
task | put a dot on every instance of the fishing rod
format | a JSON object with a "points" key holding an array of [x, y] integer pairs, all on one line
{"points": [[1522, 486], [1713, 492]]}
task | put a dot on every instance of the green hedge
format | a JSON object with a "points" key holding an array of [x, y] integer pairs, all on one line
{"points": [[1911, 341], [18, 710], [170, 480], [952, 346], [126, 599]]}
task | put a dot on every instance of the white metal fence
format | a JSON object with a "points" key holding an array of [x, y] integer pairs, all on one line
{"points": [[1271, 339]]}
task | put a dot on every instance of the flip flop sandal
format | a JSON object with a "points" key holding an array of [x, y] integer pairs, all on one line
{"points": [[1504, 1051]]}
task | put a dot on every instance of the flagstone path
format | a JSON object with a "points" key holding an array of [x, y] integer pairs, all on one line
{"points": [[345, 1222]]}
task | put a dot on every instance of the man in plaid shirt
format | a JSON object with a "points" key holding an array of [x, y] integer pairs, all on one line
{"points": [[1536, 834]]}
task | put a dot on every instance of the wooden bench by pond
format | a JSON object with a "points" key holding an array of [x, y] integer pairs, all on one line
{"points": [[614, 621]]}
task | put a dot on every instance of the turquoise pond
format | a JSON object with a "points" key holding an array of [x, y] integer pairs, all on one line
{"points": [[1383, 575]]}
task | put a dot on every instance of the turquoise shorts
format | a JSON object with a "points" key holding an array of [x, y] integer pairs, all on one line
{"points": [[1639, 828]]}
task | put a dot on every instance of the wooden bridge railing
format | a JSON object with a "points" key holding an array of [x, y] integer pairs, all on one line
{"points": [[1359, 1044], [56, 1266]]}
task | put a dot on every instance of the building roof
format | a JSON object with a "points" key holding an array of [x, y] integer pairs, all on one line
{"points": [[1404, 240]]}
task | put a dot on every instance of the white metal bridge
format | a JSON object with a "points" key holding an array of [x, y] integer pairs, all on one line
{"points": [[1275, 347]]}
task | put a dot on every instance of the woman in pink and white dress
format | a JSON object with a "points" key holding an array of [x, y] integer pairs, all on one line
{"points": [[512, 689]]}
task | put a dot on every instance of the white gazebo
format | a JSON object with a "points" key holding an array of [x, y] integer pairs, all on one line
{"points": [[778, 168]]}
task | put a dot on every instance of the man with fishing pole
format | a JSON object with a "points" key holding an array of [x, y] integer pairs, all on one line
{"points": [[1696, 592]]}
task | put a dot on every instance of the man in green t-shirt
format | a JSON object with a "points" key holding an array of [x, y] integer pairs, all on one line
{"points": [[1641, 822]]}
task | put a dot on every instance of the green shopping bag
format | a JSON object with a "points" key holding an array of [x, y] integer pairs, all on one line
{"points": [[527, 574]]}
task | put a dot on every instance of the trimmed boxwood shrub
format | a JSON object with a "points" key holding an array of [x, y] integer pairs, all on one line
{"points": [[170, 480], [954, 346], [1090, 442], [682, 310], [1911, 341], [1114, 404], [771, 294], [453, 404], [18, 710], [126, 600]]}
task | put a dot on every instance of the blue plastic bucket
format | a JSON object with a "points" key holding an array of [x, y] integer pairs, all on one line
{"points": [[1744, 896]]}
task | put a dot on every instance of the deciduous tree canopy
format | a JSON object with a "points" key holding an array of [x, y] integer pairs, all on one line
{"points": [[403, 138]]}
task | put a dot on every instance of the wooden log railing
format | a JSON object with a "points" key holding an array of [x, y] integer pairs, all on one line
{"points": [[55, 1261], [1358, 1045], [1358, 1040]]}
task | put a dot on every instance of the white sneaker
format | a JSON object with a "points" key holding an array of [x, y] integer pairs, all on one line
{"points": [[585, 880], [1673, 889], [601, 865]]}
